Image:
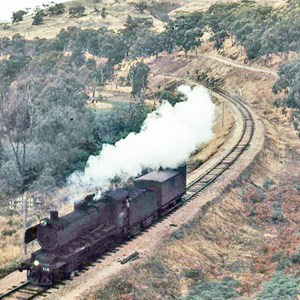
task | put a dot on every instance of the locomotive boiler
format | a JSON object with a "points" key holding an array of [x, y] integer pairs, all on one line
{"points": [[95, 226]]}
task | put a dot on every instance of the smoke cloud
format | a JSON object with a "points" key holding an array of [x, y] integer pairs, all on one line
{"points": [[168, 137]]}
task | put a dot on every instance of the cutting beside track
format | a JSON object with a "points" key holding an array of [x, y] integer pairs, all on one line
{"points": [[27, 291], [231, 156]]}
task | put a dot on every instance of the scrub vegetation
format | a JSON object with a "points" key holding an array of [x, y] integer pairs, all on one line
{"points": [[244, 246]]}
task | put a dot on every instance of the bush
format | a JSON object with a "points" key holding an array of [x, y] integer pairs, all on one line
{"points": [[141, 6], [76, 11], [18, 16], [195, 274], [38, 18], [268, 183], [278, 217], [104, 13], [7, 270], [172, 97], [225, 289], [8, 232], [296, 258], [57, 9], [280, 287]]}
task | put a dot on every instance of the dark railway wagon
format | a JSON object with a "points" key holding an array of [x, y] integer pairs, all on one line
{"points": [[169, 186], [93, 227]]}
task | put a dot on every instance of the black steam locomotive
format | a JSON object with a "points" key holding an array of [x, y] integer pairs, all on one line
{"points": [[94, 227]]}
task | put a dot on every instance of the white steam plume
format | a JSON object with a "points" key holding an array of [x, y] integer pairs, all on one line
{"points": [[168, 137]]}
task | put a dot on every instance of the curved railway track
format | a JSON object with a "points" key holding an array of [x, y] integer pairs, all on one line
{"points": [[28, 291], [231, 156]]}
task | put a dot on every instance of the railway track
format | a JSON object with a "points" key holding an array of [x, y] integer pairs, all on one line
{"points": [[28, 291], [25, 291], [231, 156]]}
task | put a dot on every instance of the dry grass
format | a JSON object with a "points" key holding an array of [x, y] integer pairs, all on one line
{"points": [[212, 240], [221, 134], [207, 244], [117, 14], [11, 241]]}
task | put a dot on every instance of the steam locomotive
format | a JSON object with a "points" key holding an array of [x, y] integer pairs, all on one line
{"points": [[70, 241]]}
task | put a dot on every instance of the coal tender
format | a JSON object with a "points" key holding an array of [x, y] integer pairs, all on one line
{"points": [[73, 240]]}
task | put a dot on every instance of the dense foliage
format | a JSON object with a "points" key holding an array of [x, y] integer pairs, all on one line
{"points": [[18, 16], [76, 11], [47, 131], [138, 78], [37, 66], [280, 287], [225, 289]]}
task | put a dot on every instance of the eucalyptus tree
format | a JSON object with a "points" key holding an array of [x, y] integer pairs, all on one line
{"points": [[185, 32], [138, 78]]}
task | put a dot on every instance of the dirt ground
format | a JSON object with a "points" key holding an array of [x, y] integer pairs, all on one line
{"points": [[117, 14], [269, 159], [269, 156], [90, 280]]}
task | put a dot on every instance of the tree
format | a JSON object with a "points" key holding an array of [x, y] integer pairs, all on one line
{"points": [[104, 13], [38, 18], [46, 128], [18, 16], [289, 83], [185, 31], [138, 78], [96, 75], [283, 37], [76, 11], [17, 120], [141, 6], [147, 44], [133, 28], [57, 9], [77, 57]]}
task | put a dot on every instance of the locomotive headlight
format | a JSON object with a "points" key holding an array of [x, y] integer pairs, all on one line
{"points": [[36, 263], [44, 222]]}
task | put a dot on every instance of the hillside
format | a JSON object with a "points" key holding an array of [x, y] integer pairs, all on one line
{"points": [[118, 10], [63, 99]]}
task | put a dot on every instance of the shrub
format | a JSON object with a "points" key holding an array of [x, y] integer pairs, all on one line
{"points": [[8, 232], [9, 269], [268, 183], [104, 13], [141, 6], [172, 97], [225, 289], [18, 16], [195, 274], [280, 287], [283, 263], [38, 18], [57, 9], [296, 258], [278, 217], [76, 11]]}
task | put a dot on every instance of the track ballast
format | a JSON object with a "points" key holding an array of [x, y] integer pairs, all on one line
{"points": [[28, 291]]}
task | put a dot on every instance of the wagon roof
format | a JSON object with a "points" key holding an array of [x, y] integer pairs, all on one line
{"points": [[159, 176]]}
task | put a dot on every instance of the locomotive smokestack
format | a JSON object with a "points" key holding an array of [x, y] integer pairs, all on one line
{"points": [[53, 215]]}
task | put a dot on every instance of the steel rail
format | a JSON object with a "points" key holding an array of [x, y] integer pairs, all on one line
{"points": [[194, 187], [24, 288], [237, 150]]}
